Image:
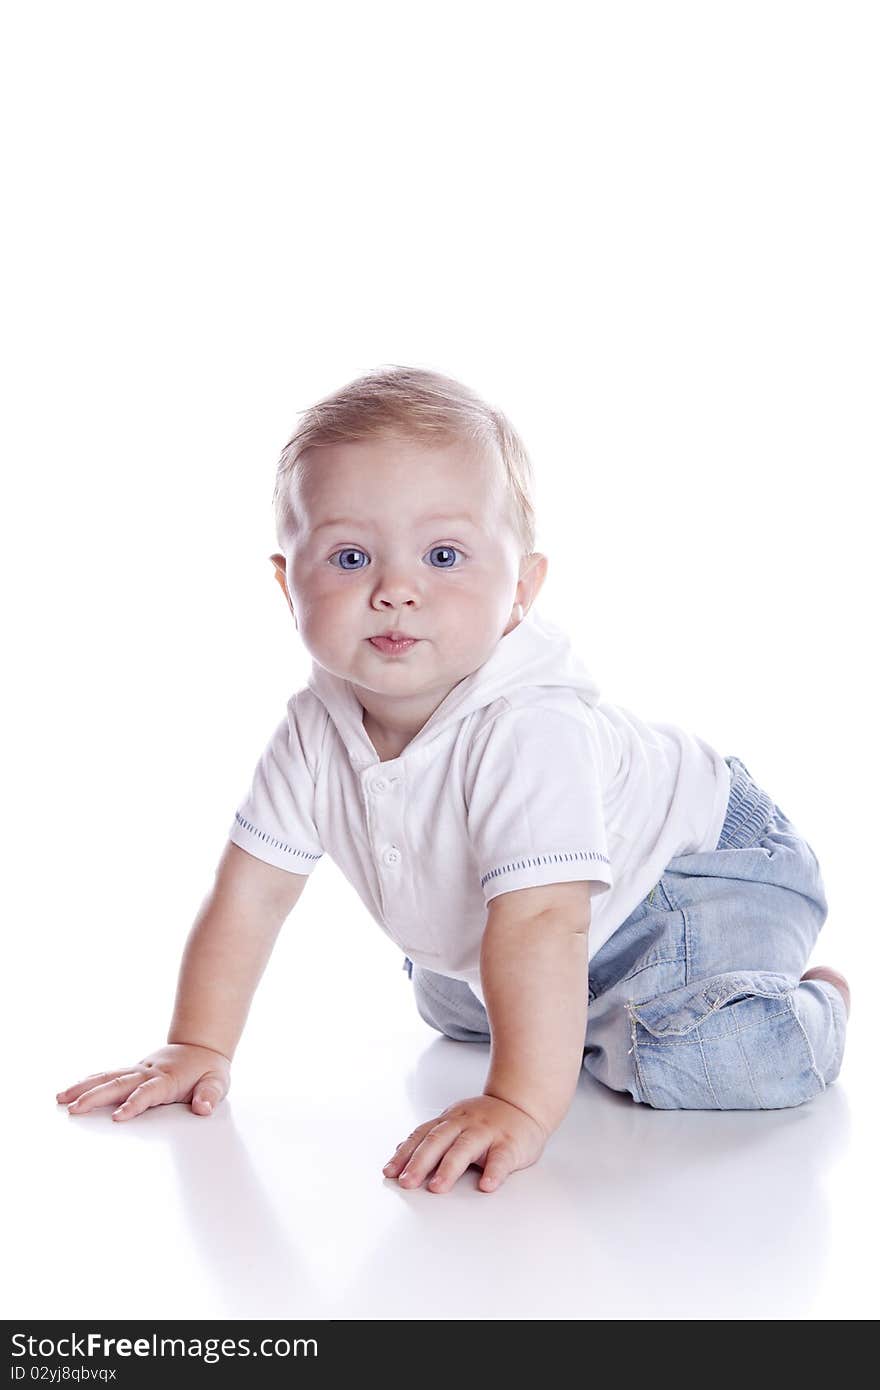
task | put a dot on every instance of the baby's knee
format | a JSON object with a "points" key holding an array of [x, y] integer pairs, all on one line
{"points": [[822, 1013], [450, 1006], [737, 1041]]}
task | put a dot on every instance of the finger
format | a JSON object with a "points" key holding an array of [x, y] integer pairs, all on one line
{"points": [[429, 1153], [468, 1148], [73, 1092], [499, 1165], [208, 1093], [155, 1091], [407, 1147], [106, 1094]]}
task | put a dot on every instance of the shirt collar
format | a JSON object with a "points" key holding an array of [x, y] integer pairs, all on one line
{"points": [[536, 652]]}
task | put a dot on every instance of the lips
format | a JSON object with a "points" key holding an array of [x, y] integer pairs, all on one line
{"points": [[393, 645]]}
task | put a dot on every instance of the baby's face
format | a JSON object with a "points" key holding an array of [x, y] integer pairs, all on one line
{"points": [[394, 535]]}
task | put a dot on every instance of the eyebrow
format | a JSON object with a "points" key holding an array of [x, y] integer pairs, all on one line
{"points": [[422, 521]]}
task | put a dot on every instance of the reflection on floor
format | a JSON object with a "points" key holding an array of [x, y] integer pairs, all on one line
{"points": [[276, 1206]]}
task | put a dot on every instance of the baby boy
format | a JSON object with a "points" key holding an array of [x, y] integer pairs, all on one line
{"points": [[567, 882]]}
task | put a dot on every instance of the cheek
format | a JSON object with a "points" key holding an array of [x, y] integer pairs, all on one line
{"points": [[321, 590], [326, 613], [473, 627], [476, 599]]}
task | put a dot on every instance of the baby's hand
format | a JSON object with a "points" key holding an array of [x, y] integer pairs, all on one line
{"points": [[497, 1136], [175, 1072]]}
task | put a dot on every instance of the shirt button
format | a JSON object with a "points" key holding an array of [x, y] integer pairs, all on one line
{"points": [[380, 785], [392, 855]]}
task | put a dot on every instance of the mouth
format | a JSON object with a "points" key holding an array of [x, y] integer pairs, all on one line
{"points": [[393, 644]]}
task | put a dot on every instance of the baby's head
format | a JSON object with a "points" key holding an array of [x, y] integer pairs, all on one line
{"points": [[402, 503]]}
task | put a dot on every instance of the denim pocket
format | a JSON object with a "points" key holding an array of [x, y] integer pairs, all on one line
{"points": [[731, 1042]]}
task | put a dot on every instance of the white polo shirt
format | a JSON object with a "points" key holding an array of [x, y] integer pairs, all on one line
{"points": [[521, 777]]}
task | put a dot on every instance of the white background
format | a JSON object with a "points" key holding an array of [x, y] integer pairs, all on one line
{"points": [[648, 232]]}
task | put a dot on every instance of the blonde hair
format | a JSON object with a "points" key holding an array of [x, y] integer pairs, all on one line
{"points": [[420, 405]]}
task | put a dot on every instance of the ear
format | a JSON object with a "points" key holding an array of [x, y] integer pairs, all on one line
{"points": [[532, 573], [280, 564]]}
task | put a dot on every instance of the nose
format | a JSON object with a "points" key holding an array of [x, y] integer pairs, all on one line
{"points": [[395, 588]]}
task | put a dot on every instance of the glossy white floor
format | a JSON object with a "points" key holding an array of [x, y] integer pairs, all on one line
{"points": [[277, 1206]]}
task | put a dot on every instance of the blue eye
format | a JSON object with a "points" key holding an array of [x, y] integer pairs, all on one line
{"points": [[346, 555], [446, 552]]}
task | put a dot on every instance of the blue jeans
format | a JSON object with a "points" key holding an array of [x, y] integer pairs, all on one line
{"points": [[696, 1002]]}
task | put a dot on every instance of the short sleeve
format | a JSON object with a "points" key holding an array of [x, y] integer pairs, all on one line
{"points": [[275, 821], [534, 796]]}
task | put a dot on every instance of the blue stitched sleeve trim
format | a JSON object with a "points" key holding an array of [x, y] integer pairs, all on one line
{"points": [[572, 856], [273, 842]]}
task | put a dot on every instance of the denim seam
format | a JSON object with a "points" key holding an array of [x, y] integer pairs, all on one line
{"points": [[713, 1002], [673, 906], [839, 1014], [640, 969], [686, 1041], [745, 1058], [634, 1050], [706, 1070], [811, 1054]]}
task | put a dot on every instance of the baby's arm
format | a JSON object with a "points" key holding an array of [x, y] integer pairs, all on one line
{"points": [[533, 969], [225, 956]]}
